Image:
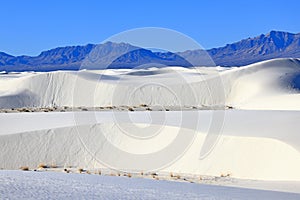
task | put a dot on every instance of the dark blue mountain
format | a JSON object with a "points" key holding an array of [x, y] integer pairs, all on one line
{"points": [[275, 44]]}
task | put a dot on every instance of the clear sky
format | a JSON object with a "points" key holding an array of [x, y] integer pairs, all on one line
{"points": [[31, 26]]}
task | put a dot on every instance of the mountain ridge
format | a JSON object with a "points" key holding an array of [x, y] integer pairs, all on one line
{"points": [[275, 44]]}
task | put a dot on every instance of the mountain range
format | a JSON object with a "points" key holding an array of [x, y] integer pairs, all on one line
{"points": [[275, 44]]}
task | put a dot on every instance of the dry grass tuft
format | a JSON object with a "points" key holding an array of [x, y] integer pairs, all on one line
{"points": [[178, 176], [42, 166], [53, 165], [80, 170], [24, 168], [226, 175]]}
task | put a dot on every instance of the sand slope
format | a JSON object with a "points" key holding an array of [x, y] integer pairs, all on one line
{"points": [[250, 145], [266, 85]]}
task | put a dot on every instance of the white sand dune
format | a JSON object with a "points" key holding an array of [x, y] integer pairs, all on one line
{"points": [[265, 85], [258, 140], [250, 146]]}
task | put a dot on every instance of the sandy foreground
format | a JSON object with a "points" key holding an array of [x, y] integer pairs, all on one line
{"points": [[31, 185]]}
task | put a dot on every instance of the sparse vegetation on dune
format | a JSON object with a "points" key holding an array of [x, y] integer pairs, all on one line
{"points": [[141, 107], [24, 168], [80, 170], [42, 166]]}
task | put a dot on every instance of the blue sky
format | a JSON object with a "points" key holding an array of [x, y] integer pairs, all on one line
{"points": [[29, 27]]}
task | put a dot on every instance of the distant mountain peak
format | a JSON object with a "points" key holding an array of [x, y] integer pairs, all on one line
{"points": [[275, 44]]}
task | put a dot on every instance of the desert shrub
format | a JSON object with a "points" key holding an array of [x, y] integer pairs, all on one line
{"points": [[154, 174], [42, 165], [225, 175], [53, 165], [80, 170], [24, 168]]}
